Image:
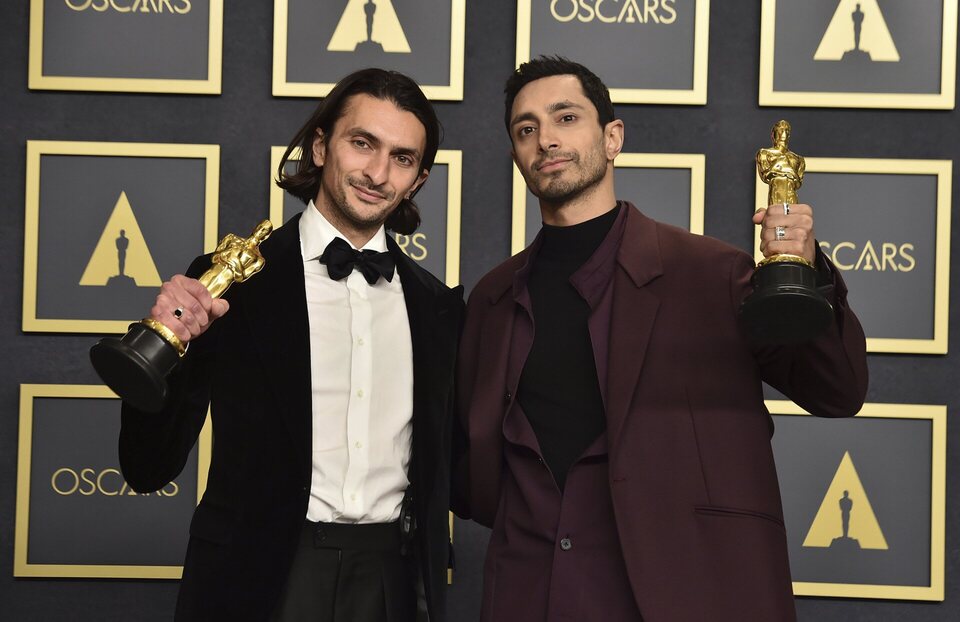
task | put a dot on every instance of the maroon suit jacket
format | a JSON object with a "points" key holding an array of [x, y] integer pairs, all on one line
{"points": [[691, 469]]}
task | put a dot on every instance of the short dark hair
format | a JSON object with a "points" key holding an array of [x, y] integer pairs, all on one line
{"points": [[547, 66], [380, 83]]}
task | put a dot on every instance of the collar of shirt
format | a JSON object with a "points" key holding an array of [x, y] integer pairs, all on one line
{"points": [[316, 232], [591, 279]]}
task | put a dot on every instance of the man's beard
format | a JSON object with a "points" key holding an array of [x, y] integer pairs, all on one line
{"points": [[352, 216], [558, 189]]}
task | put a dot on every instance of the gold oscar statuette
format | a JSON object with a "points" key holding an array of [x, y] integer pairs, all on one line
{"points": [[136, 366], [785, 305]]}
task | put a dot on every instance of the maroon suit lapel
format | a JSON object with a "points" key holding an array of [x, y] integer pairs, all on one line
{"points": [[484, 388], [276, 312], [633, 315]]}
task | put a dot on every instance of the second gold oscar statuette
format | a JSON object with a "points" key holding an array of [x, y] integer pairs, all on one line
{"points": [[785, 306]]}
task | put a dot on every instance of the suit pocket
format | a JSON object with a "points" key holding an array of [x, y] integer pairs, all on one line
{"points": [[745, 570], [213, 523], [713, 510]]}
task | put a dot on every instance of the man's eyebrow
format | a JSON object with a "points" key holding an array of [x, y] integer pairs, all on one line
{"points": [[376, 142], [552, 108], [407, 151], [359, 131], [563, 105], [525, 116]]}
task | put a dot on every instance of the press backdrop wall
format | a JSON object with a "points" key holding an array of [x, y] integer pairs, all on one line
{"points": [[245, 120]]}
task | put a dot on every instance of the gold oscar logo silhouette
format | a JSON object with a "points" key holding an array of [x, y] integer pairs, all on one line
{"points": [[121, 258], [845, 520], [369, 25], [857, 32]]}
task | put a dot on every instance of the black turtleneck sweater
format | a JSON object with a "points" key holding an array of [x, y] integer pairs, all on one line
{"points": [[559, 391]]}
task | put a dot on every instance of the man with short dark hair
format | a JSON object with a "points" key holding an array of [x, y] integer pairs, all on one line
{"points": [[616, 438], [330, 388]]}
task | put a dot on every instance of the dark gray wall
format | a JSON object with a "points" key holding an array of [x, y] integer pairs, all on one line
{"points": [[245, 120]]}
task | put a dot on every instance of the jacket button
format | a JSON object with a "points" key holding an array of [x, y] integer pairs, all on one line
{"points": [[507, 397], [566, 544]]}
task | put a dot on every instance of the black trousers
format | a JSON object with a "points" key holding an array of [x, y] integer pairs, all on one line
{"points": [[349, 573]]}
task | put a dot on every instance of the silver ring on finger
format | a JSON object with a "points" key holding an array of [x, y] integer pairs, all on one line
{"points": [[786, 208], [178, 312], [781, 233]]}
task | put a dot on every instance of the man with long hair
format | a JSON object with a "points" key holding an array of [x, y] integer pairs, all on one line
{"points": [[618, 443], [329, 384]]}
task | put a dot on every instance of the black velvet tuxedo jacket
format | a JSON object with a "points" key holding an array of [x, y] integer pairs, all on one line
{"points": [[253, 367]]}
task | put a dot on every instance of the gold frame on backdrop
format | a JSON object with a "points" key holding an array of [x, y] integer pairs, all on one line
{"points": [[937, 415], [452, 158], [697, 96], [211, 86], [944, 100], [276, 192], [38, 148], [696, 162], [450, 570], [21, 566], [443, 92], [943, 170]]}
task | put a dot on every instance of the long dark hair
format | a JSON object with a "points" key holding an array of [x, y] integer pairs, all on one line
{"points": [[380, 83]]}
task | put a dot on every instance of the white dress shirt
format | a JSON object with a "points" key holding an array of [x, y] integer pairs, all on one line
{"points": [[361, 368]]}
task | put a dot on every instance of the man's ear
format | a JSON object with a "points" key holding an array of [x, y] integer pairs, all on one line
{"points": [[319, 148], [613, 138], [416, 185]]}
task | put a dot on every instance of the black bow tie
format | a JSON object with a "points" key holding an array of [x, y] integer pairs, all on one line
{"points": [[340, 260]]}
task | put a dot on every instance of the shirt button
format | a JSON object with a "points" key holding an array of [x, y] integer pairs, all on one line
{"points": [[565, 544], [359, 445], [360, 341], [360, 393], [353, 497]]}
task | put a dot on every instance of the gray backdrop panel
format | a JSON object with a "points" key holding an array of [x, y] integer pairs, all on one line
{"points": [[80, 528], [808, 452], [310, 24], [246, 120], [77, 196], [111, 44], [624, 54], [915, 27], [875, 208]]}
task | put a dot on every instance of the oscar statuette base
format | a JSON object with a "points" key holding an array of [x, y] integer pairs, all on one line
{"points": [[785, 307], [136, 366]]}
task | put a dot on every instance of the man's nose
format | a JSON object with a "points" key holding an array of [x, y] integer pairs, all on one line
{"points": [[548, 140], [377, 168]]}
